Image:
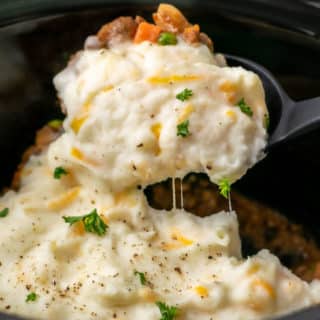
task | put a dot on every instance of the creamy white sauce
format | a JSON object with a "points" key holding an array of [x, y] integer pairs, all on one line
{"points": [[189, 262]]}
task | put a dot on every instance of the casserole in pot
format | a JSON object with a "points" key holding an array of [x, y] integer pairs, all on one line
{"points": [[36, 70]]}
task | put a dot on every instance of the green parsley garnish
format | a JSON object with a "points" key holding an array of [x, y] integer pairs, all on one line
{"points": [[184, 94], [4, 212], [55, 124], [58, 172], [167, 313], [167, 38], [92, 222], [31, 297], [244, 107], [141, 276], [266, 121], [183, 129], [224, 188]]}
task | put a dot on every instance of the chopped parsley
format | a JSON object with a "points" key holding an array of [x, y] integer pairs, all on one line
{"points": [[244, 107], [58, 172], [92, 222], [167, 312], [31, 297], [55, 124], [167, 38], [184, 94], [183, 129], [141, 276], [266, 121], [4, 212], [224, 188]]}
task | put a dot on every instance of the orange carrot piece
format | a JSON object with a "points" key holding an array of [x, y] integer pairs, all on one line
{"points": [[147, 32]]}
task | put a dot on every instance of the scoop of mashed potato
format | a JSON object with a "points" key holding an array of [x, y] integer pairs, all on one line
{"points": [[124, 111]]}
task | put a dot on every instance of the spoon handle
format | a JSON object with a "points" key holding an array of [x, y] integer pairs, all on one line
{"points": [[297, 118], [309, 313]]}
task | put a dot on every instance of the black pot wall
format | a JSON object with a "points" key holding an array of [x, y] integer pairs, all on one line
{"points": [[282, 37]]}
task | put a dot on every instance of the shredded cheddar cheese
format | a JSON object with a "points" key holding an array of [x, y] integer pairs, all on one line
{"points": [[64, 199], [185, 113], [231, 97], [156, 130], [77, 123], [267, 287], [254, 268], [180, 241], [178, 236], [230, 90], [76, 153], [231, 114], [125, 198], [228, 86], [92, 95], [172, 79], [147, 294], [78, 229], [202, 291]]}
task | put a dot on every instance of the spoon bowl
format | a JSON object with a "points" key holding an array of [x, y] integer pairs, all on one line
{"points": [[288, 118]]}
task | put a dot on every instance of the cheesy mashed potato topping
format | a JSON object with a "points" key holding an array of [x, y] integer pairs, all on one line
{"points": [[79, 240], [123, 115]]}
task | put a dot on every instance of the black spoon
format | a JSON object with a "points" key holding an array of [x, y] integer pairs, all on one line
{"points": [[308, 313], [288, 118]]}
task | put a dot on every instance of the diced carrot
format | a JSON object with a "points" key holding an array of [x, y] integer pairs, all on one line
{"points": [[147, 32]]}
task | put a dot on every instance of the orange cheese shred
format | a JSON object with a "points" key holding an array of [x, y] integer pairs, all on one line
{"points": [[201, 291], [172, 79], [64, 199], [267, 287]]}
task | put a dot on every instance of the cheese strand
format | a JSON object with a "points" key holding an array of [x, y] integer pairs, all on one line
{"points": [[174, 206], [181, 194]]}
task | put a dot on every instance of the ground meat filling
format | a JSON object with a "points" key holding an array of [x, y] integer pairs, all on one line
{"points": [[119, 30], [167, 18]]}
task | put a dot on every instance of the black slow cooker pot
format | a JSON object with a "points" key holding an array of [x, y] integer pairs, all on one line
{"points": [[37, 36]]}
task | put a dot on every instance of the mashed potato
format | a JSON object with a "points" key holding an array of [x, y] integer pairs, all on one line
{"points": [[79, 240], [123, 114], [189, 262]]}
